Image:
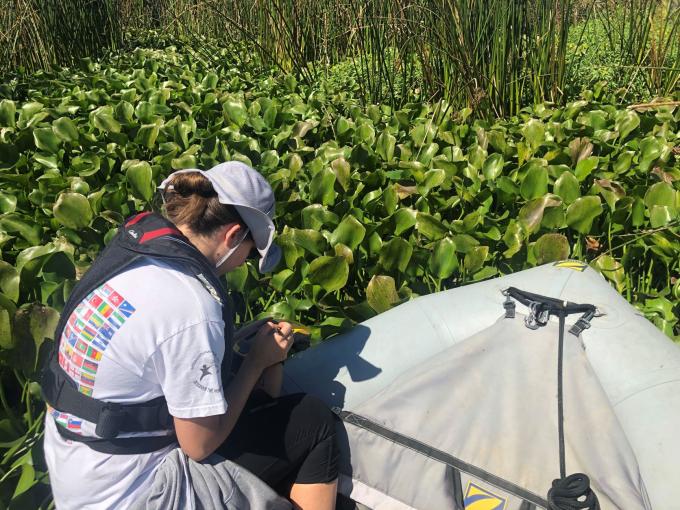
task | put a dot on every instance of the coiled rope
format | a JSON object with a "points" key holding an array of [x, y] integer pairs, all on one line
{"points": [[571, 492]]}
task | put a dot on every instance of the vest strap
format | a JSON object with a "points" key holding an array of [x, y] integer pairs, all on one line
{"points": [[120, 445]]}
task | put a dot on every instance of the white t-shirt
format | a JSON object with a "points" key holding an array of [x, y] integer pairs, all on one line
{"points": [[150, 331]]}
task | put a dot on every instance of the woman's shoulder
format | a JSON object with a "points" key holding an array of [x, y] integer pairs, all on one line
{"points": [[171, 286]]}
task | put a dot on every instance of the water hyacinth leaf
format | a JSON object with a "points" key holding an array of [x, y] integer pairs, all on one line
{"points": [[662, 194], [582, 212], [295, 164], [381, 293], [493, 167], [139, 178], [531, 214], [432, 179], [422, 133], [443, 260], [465, 243], [551, 248], [125, 112], [147, 134], [86, 165], [403, 219], [189, 161], [46, 140], [35, 322], [626, 121], [344, 251], [430, 227], [385, 146], [611, 269], [280, 311], [269, 160], [341, 168], [395, 254], [349, 232], [364, 134], [535, 182], [534, 133], [280, 279], [8, 203], [650, 150], [329, 272], [72, 210], [102, 118], [235, 112], [301, 128], [580, 149], [315, 216], [585, 167], [390, 199], [7, 113], [661, 215], [65, 129], [623, 162], [28, 230], [427, 152], [321, 188], [553, 218], [567, 187], [475, 258], [513, 238], [311, 240], [9, 280], [236, 278], [6, 336]]}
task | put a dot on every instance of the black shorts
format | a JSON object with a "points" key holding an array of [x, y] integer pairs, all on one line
{"points": [[285, 440]]}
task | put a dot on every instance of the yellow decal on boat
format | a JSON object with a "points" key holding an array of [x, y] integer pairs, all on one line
{"points": [[576, 265], [477, 498]]}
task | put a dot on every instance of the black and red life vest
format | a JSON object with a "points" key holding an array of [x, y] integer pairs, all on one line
{"points": [[144, 235]]}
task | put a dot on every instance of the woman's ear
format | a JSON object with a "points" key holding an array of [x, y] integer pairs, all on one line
{"points": [[231, 233]]}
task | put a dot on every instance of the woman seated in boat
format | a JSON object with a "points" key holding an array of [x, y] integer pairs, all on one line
{"points": [[137, 370]]}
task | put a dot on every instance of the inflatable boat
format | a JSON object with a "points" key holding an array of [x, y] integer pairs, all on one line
{"points": [[512, 393]]}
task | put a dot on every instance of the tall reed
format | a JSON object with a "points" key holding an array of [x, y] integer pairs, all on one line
{"points": [[494, 56], [646, 35]]}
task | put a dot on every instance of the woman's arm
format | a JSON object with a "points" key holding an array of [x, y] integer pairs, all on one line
{"points": [[272, 379], [199, 437]]}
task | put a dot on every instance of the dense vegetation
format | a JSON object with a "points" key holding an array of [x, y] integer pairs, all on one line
{"points": [[378, 202], [495, 56]]}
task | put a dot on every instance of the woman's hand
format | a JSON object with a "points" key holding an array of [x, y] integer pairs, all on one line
{"points": [[271, 344]]}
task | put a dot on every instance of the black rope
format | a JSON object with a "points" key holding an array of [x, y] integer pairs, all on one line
{"points": [[571, 492], [560, 399]]}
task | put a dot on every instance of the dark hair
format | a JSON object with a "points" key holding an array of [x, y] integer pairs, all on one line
{"points": [[192, 201]]}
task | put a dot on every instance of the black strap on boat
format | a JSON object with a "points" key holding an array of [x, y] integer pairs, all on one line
{"points": [[144, 235], [571, 492]]}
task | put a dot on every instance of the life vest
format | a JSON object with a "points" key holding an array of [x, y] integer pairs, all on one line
{"points": [[144, 235]]}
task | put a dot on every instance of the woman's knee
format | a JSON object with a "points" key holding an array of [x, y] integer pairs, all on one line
{"points": [[314, 411]]}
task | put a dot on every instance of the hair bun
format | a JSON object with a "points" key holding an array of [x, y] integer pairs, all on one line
{"points": [[193, 183]]}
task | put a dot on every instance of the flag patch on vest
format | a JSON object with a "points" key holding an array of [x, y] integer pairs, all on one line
{"points": [[90, 328], [477, 498]]}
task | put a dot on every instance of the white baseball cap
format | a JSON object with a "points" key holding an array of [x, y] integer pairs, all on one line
{"points": [[245, 189]]}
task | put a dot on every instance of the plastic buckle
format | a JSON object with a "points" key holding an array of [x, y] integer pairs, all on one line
{"points": [[579, 327], [110, 421], [509, 306]]}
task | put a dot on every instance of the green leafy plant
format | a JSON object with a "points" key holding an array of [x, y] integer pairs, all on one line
{"points": [[376, 204]]}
